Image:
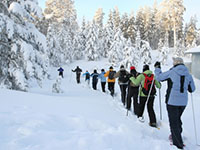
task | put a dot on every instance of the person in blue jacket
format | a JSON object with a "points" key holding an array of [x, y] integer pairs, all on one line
{"points": [[180, 82], [94, 76], [61, 70], [103, 80], [87, 76]]}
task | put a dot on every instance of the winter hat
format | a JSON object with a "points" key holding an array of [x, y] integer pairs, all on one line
{"points": [[177, 60], [95, 71], [102, 70], [132, 68], [111, 67], [122, 67], [145, 68]]}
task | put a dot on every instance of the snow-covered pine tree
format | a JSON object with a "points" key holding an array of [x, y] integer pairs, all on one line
{"points": [[140, 23], [79, 47], [152, 30], [131, 31], [82, 36], [23, 48], [116, 17], [109, 33], [147, 13], [110, 21], [98, 20], [115, 55], [129, 56], [98, 17], [42, 25], [62, 16], [107, 38], [155, 27], [180, 49], [138, 43], [173, 10], [164, 50], [190, 32], [145, 52], [56, 88], [92, 44], [55, 52], [124, 24]]}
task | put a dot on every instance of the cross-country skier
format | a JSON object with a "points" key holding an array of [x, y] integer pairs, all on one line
{"points": [[111, 80], [78, 73], [179, 83], [146, 94], [61, 70], [103, 80]]}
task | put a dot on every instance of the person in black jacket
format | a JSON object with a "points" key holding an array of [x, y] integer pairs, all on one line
{"points": [[133, 92], [94, 76], [78, 73], [123, 80]]}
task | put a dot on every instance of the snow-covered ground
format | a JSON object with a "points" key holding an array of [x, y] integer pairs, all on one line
{"points": [[84, 119]]}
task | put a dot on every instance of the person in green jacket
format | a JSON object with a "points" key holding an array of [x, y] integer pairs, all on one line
{"points": [[146, 94]]}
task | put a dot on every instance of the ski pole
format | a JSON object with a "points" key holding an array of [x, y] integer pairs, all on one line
{"points": [[127, 102], [195, 129], [160, 105], [126, 106], [150, 89]]}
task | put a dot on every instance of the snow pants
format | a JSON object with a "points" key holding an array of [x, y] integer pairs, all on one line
{"points": [[151, 113], [111, 88], [103, 85], [61, 74], [78, 78], [123, 88], [133, 93], [94, 85], [175, 123]]}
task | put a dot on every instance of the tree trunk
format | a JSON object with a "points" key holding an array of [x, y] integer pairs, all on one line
{"points": [[174, 35]]}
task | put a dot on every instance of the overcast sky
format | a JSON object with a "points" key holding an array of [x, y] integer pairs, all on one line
{"points": [[88, 8]]}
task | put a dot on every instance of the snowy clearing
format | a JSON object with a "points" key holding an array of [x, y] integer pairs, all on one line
{"points": [[84, 119]]}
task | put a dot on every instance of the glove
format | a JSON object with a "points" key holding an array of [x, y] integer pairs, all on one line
{"points": [[157, 65]]}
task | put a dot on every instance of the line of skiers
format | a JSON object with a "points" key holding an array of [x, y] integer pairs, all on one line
{"points": [[141, 88], [131, 85]]}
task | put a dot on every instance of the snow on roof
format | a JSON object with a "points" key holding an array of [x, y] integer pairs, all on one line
{"points": [[193, 50]]}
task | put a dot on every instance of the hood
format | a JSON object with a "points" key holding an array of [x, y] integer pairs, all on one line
{"points": [[181, 70]]}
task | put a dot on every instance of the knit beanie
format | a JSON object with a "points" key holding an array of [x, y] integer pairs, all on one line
{"points": [[145, 68], [132, 68], [177, 60]]}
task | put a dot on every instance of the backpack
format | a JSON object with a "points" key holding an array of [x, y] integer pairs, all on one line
{"points": [[111, 75], [87, 76], [148, 82], [123, 77]]}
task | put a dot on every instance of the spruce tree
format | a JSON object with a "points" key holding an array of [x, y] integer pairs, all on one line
{"points": [[92, 44], [116, 50], [23, 48]]}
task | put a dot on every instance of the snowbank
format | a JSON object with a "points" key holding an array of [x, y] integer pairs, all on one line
{"points": [[84, 119]]}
